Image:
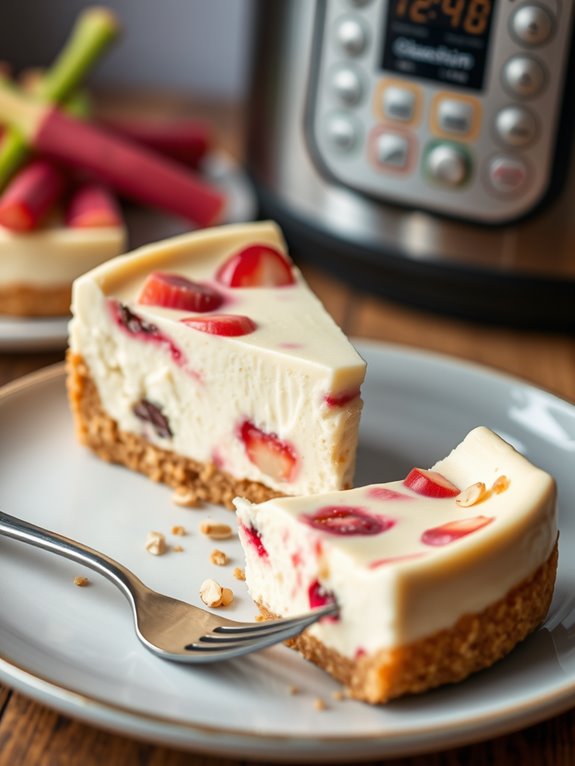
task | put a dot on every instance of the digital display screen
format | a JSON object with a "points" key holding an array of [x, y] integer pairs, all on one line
{"points": [[441, 40]]}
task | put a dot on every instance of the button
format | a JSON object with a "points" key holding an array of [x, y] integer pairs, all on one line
{"points": [[507, 174], [515, 126], [351, 35], [391, 150], [455, 116], [398, 103], [347, 86], [531, 25], [342, 132], [447, 164], [523, 76]]}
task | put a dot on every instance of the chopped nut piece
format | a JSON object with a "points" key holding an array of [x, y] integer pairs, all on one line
{"points": [[185, 498], [239, 573], [293, 690], [500, 484], [259, 618], [178, 530], [319, 704], [81, 582], [472, 495], [156, 543], [216, 531], [219, 558], [227, 596], [177, 549], [211, 593], [338, 695]]}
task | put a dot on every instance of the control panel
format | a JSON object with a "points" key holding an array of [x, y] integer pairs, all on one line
{"points": [[446, 105]]}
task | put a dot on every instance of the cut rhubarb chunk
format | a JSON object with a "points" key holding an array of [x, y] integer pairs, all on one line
{"points": [[222, 324], [92, 206], [254, 538], [453, 530], [274, 457], [347, 521], [256, 266], [31, 195], [173, 291], [430, 483]]}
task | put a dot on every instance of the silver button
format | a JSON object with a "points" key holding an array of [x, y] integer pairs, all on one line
{"points": [[523, 76], [392, 150], [531, 25], [507, 174], [515, 126], [347, 86], [455, 116], [398, 103], [446, 164], [342, 132], [352, 36]]}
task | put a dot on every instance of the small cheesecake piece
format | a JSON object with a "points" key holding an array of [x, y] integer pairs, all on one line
{"points": [[429, 590], [206, 362], [37, 268]]}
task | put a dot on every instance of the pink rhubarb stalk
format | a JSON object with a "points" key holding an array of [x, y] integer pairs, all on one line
{"points": [[31, 194], [92, 205]]}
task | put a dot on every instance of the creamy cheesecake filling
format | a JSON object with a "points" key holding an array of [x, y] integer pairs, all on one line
{"points": [[55, 255], [295, 380], [405, 579]]}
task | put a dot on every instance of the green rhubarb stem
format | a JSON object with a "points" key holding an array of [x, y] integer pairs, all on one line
{"points": [[94, 30]]}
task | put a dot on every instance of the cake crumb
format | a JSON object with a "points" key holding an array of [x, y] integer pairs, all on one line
{"points": [[185, 498], [319, 703], [178, 530], [259, 618], [216, 531], [81, 581], [156, 543], [219, 558], [239, 573], [178, 548], [293, 690], [213, 595]]}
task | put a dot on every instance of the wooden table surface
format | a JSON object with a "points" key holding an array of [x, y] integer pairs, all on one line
{"points": [[33, 735]]}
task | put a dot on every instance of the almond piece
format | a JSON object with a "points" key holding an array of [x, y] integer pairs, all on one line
{"points": [[211, 593], [472, 495], [500, 484], [156, 543], [216, 531], [219, 558]]}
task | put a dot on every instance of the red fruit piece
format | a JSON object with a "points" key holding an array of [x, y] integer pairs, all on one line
{"points": [[384, 493], [346, 521], [319, 596], [173, 291], [222, 324], [430, 483], [340, 400], [151, 413], [132, 324], [274, 457], [453, 530], [256, 266], [254, 538]]}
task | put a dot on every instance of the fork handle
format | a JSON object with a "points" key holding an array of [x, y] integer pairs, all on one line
{"points": [[25, 532]]}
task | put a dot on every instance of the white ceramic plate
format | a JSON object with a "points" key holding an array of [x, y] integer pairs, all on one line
{"points": [[144, 225], [74, 648]]}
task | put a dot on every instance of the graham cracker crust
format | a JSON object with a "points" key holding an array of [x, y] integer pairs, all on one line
{"points": [[203, 482], [475, 642], [29, 301]]}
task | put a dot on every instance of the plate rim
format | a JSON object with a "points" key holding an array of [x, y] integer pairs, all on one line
{"points": [[94, 710]]}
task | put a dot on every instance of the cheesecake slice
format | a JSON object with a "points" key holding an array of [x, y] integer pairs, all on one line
{"points": [[436, 576], [37, 268], [206, 362]]}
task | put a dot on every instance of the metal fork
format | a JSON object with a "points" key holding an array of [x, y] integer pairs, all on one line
{"points": [[171, 629]]}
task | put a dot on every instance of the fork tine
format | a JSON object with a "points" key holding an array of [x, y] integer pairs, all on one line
{"points": [[251, 640], [268, 626]]}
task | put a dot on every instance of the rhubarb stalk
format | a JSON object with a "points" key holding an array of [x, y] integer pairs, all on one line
{"points": [[30, 195], [94, 30], [130, 169], [91, 205]]}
